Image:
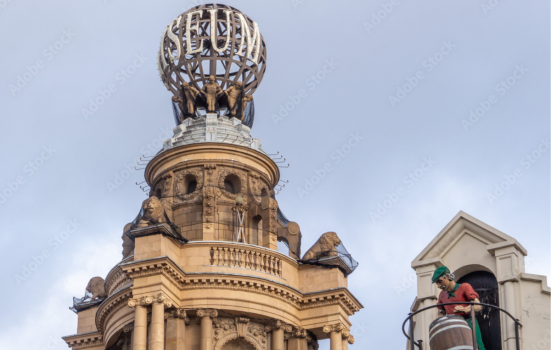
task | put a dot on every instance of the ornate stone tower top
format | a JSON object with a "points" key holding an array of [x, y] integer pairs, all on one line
{"points": [[200, 267]]}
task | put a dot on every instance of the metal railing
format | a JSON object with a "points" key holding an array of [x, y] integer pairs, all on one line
{"points": [[419, 343]]}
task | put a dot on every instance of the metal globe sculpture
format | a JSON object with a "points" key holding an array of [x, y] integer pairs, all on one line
{"points": [[212, 40]]}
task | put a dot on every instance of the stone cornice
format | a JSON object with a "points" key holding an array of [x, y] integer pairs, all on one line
{"points": [[168, 268], [176, 155], [85, 340], [110, 305]]}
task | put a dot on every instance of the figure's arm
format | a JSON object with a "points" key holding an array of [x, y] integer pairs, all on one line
{"points": [[467, 309]]}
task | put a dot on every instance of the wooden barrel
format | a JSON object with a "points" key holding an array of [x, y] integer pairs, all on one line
{"points": [[450, 332]]}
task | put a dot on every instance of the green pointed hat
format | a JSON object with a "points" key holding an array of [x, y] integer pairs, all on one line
{"points": [[441, 271]]}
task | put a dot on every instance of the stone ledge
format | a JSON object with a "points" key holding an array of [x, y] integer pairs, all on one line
{"points": [[84, 340]]}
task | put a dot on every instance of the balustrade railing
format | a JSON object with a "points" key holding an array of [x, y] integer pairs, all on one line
{"points": [[247, 259]]}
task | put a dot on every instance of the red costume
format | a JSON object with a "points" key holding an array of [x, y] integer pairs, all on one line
{"points": [[464, 293]]}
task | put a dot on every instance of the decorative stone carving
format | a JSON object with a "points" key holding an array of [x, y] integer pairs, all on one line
{"points": [[210, 169], [299, 332], [351, 339], [212, 91], [148, 300], [212, 313], [256, 185], [128, 327], [228, 329], [324, 247], [153, 212], [180, 189], [187, 101], [235, 94], [338, 327], [96, 287], [177, 313], [223, 173]]}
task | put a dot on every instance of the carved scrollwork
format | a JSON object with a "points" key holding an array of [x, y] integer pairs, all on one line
{"points": [[148, 300], [256, 185], [181, 190], [338, 327]]}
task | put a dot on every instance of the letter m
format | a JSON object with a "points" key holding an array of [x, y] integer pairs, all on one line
{"points": [[256, 39]]}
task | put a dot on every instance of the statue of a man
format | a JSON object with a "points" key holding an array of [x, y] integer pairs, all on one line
{"points": [[212, 91], [244, 103], [455, 292], [188, 100], [235, 95]]}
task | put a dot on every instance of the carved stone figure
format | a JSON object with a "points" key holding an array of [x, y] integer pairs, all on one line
{"points": [[212, 91], [96, 287], [244, 103], [324, 247], [154, 212], [188, 100], [235, 96]]}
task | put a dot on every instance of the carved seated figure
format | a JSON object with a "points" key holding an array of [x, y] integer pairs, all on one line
{"points": [[153, 212], [96, 287], [324, 247]]}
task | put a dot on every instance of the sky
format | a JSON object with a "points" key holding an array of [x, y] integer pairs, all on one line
{"points": [[437, 106]]}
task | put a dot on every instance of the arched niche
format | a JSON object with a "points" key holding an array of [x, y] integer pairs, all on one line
{"points": [[467, 269], [232, 341]]}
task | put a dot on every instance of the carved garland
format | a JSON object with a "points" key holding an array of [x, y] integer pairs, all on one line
{"points": [[223, 173], [179, 189]]}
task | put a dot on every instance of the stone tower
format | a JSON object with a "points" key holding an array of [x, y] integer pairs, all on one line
{"points": [[200, 267]]}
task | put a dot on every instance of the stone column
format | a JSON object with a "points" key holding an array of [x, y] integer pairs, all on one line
{"points": [[345, 335], [205, 318], [278, 340], [298, 340], [157, 334], [176, 329], [140, 322], [335, 335]]}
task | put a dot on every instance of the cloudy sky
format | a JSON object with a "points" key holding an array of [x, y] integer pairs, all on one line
{"points": [[447, 100]]}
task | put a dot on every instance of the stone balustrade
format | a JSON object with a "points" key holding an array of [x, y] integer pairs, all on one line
{"points": [[246, 258]]}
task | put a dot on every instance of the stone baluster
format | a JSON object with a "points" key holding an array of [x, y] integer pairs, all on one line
{"points": [[204, 317]]}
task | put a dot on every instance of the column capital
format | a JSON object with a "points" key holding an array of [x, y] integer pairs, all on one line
{"points": [[299, 332], [337, 328], [212, 313], [147, 300], [277, 324], [177, 313], [345, 334], [351, 339]]}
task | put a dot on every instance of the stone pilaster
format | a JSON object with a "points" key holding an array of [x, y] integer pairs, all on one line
{"points": [[176, 329]]}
